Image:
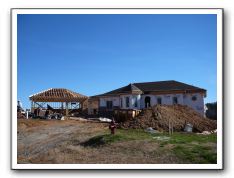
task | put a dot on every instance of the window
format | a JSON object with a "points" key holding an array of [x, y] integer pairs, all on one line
{"points": [[159, 100], [147, 101], [135, 102], [194, 98], [121, 102], [109, 104], [94, 111], [127, 102], [175, 100]]}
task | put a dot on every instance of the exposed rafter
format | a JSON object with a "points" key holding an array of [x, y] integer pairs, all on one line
{"points": [[57, 95]]}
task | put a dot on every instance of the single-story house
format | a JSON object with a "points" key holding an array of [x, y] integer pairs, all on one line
{"points": [[137, 96]]}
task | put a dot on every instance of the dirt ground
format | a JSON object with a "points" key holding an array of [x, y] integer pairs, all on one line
{"points": [[61, 142]]}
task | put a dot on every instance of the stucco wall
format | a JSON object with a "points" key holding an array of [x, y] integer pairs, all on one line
{"points": [[166, 99], [92, 105], [131, 103], [115, 101], [197, 105], [183, 99]]}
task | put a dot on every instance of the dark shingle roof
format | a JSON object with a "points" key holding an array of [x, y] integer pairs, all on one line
{"points": [[126, 89], [161, 86], [165, 86]]}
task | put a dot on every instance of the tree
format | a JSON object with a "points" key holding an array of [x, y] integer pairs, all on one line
{"points": [[211, 111]]}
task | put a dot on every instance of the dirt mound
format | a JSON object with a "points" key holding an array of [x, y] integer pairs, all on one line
{"points": [[159, 116]]}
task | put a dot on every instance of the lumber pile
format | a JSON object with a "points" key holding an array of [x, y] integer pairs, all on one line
{"points": [[159, 117]]}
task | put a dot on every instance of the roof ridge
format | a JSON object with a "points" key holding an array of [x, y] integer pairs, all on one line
{"points": [[157, 81], [40, 92], [132, 84]]}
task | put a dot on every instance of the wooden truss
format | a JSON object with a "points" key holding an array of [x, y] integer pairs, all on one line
{"points": [[57, 95]]}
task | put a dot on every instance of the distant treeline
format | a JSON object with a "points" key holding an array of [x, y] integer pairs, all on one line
{"points": [[211, 110]]}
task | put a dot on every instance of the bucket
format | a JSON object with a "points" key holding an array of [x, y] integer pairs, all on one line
{"points": [[188, 128]]}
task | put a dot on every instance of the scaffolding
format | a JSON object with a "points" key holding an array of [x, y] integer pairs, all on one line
{"points": [[58, 99]]}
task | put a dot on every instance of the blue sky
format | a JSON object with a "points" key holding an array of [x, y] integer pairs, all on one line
{"points": [[93, 54]]}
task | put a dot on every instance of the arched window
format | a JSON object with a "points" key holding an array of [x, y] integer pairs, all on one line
{"points": [[194, 98], [134, 101], [175, 100], [159, 100], [147, 102], [127, 102]]}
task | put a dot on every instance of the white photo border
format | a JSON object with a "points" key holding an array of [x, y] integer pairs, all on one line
{"points": [[220, 144]]}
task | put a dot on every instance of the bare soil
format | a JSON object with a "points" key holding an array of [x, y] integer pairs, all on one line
{"points": [[62, 142], [43, 141]]}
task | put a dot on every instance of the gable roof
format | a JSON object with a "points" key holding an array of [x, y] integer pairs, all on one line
{"points": [[57, 95], [129, 89], [126, 89], [161, 86]]}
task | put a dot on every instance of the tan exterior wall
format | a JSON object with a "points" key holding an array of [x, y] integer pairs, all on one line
{"points": [[93, 106]]}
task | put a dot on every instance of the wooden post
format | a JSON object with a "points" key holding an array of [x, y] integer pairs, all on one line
{"points": [[169, 126], [32, 107], [172, 128], [66, 110]]}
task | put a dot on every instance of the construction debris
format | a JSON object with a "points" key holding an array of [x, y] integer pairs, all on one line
{"points": [[56, 116], [160, 117], [100, 119], [103, 119], [207, 132], [20, 115], [188, 128], [162, 138], [204, 133], [62, 118], [150, 130], [214, 131], [20, 111]]}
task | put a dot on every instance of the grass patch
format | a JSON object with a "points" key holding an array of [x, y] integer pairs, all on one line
{"points": [[196, 154], [186, 138], [134, 134], [192, 148]]}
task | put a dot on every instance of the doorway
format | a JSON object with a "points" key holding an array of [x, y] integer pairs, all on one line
{"points": [[147, 102], [109, 104]]}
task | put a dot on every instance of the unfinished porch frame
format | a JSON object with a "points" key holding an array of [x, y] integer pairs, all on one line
{"points": [[59, 95]]}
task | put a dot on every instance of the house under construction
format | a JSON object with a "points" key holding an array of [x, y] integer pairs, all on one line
{"points": [[57, 100]]}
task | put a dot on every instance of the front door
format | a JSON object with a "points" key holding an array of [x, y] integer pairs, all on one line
{"points": [[109, 104], [147, 102]]}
